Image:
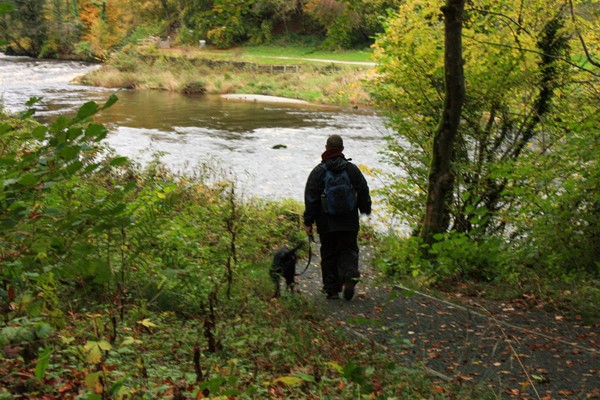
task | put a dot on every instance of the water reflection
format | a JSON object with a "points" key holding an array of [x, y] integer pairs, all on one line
{"points": [[166, 111]]}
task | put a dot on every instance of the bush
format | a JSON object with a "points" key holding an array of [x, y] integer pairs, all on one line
{"points": [[222, 37]]}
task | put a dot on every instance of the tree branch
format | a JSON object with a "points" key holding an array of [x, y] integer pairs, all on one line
{"points": [[536, 52], [585, 49], [517, 23]]}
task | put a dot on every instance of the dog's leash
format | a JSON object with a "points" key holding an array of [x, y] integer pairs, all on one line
{"points": [[311, 238]]}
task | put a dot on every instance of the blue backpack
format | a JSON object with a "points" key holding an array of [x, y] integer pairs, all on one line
{"points": [[338, 197]]}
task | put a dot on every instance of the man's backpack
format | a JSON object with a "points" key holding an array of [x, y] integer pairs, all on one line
{"points": [[338, 197]]}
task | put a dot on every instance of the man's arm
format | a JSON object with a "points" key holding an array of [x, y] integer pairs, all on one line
{"points": [[363, 196], [312, 200]]}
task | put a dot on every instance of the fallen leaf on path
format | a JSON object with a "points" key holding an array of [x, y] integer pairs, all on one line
{"points": [[439, 389], [462, 378]]}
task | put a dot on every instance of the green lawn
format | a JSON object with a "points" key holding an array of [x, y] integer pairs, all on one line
{"points": [[271, 54], [365, 55]]}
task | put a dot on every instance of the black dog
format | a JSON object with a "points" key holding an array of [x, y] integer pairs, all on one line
{"points": [[284, 264]]}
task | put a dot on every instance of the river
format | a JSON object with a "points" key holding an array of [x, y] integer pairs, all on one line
{"points": [[268, 148]]}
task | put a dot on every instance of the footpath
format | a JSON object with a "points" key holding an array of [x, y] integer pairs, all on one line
{"points": [[516, 351]]}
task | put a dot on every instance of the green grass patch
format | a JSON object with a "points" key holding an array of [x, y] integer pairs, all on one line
{"points": [[300, 52]]}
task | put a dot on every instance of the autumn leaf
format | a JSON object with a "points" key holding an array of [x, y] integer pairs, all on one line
{"points": [[130, 340], [337, 367], [288, 380], [439, 389], [147, 323], [92, 381], [94, 350]]}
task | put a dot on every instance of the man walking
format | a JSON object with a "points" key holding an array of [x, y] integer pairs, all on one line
{"points": [[336, 191]]}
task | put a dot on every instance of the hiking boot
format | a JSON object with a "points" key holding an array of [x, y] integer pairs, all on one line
{"points": [[349, 289], [333, 296]]}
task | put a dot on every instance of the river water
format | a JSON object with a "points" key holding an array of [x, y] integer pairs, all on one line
{"points": [[268, 148]]}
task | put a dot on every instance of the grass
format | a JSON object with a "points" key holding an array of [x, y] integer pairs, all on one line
{"points": [[268, 55], [303, 52]]}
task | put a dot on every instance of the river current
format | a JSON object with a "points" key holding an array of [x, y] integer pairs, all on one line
{"points": [[268, 148]]}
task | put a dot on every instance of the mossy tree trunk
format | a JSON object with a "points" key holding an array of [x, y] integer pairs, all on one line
{"points": [[441, 175]]}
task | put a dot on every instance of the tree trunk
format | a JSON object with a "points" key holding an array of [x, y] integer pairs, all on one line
{"points": [[441, 175]]}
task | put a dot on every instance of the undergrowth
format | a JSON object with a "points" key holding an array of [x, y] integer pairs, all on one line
{"points": [[490, 270], [122, 281]]}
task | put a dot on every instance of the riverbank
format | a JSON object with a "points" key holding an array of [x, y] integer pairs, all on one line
{"points": [[317, 81]]}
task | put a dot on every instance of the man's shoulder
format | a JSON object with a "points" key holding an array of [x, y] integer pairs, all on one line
{"points": [[318, 170], [352, 166], [320, 166]]}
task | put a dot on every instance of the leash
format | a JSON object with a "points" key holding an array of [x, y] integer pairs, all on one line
{"points": [[311, 238]]}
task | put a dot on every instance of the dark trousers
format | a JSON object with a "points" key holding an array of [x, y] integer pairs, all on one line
{"points": [[339, 259]]}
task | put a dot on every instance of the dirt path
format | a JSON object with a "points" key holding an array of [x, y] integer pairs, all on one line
{"points": [[517, 352]]}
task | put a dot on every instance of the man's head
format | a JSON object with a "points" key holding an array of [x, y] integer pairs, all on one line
{"points": [[335, 142]]}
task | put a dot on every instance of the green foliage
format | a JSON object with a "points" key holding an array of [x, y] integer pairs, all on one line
{"points": [[338, 20], [262, 34], [559, 210], [25, 330], [522, 196], [32, 163], [227, 23], [22, 25], [349, 23]]}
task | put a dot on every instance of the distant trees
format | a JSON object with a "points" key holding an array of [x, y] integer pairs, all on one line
{"points": [[350, 22], [24, 26], [104, 25], [90, 28], [51, 28], [340, 23]]}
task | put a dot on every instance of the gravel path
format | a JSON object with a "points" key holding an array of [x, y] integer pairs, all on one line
{"points": [[518, 352]]}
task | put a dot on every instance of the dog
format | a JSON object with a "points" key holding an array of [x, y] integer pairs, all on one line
{"points": [[284, 265]]}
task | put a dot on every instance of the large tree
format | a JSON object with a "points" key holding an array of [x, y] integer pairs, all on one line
{"points": [[528, 84], [441, 175]]}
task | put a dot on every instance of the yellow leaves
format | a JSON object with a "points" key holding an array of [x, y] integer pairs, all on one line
{"points": [[93, 350], [288, 381], [335, 366], [93, 382], [130, 340], [67, 340], [369, 171], [147, 323]]}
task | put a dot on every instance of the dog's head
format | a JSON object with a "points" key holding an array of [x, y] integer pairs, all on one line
{"points": [[285, 261]]}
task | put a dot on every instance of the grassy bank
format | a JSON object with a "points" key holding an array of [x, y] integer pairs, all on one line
{"points": [[242, 71]]}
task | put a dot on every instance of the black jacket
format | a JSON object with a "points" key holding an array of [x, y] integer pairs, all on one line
{"points": [[313, 211]]}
